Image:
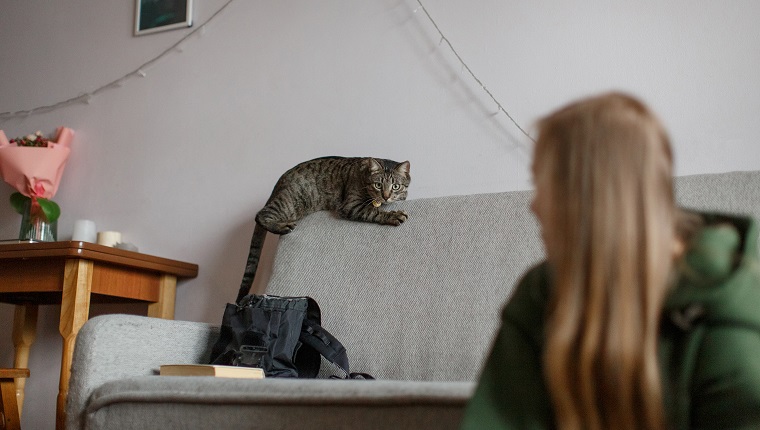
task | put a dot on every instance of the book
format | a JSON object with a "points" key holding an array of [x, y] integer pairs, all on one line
{"points": [[211, 370]]}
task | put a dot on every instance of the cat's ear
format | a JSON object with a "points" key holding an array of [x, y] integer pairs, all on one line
{"points": [[403, 168], [374, 166]]}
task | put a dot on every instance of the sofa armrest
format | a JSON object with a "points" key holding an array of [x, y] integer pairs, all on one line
{"points": [[112, 347]]}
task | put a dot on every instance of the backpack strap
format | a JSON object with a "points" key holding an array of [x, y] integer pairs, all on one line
{"points": [[326, 344]]}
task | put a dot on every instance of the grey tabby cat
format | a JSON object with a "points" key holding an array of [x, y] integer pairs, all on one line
{"points": [[354, 188]]}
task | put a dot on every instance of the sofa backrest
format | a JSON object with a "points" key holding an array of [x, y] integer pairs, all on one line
{"points": [[422, 301]]}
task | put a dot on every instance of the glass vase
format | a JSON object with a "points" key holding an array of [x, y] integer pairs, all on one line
{"points": [[35, 227]]}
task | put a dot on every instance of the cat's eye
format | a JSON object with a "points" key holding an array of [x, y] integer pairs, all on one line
{"points": [[396, 187], [378, 185]]}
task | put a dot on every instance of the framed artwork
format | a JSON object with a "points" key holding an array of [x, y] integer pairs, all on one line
{"points": [[160, 15]]}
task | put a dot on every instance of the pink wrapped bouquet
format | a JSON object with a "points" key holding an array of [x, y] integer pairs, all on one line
{"points": [[33, 165]]}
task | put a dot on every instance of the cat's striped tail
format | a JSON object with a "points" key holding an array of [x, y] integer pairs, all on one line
{"points": [[254, 254]]}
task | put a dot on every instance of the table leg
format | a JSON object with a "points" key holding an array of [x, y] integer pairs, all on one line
{"points": [[167, 292], [24, 332], [75, 308], [11, 417]]}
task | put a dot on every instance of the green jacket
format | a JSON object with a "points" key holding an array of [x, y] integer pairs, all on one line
{"points": [[709, 342]]}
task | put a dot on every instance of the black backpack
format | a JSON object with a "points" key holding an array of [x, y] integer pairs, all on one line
{"points": [[282, 335]]}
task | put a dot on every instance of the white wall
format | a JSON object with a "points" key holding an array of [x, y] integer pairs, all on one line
{"points": [[181, 159]]}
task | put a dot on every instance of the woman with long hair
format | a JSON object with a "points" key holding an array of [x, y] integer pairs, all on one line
{"points": [[643, 316]]}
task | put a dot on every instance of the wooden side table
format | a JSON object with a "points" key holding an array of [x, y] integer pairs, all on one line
{"points": [[73, 274]]}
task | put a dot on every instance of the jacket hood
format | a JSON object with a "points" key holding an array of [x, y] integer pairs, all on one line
{"points": [[719, 276]]}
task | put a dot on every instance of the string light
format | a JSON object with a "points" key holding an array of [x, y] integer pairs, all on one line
{"points": [[116, 83], [201, 30], [499, 106]]}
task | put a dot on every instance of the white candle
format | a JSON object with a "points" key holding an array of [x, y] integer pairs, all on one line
{"points": [[109, 238]]}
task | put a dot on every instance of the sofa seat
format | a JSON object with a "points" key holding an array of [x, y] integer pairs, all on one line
{"points": [[140, 402]]}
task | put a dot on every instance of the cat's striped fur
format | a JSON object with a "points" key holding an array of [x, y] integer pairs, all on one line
{"points": [[354, 188]]}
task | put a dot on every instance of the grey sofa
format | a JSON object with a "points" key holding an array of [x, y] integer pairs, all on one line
{"points": [[416, 306]]}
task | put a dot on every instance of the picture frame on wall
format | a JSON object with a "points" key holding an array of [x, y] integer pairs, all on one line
{"points": [[160, 15]]}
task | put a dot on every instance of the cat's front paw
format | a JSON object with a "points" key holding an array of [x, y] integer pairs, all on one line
{"points": [[283, 228], [395, 218]]}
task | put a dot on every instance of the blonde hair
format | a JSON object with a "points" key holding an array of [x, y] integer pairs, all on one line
{"points": [[610, 241]]}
